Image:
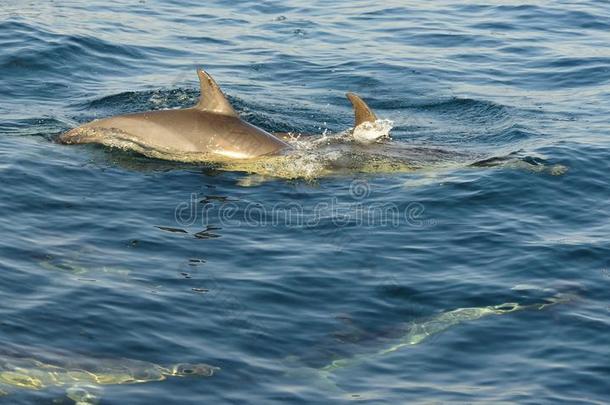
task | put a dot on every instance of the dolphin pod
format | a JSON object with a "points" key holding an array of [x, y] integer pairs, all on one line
{"points": [[210, 129]]}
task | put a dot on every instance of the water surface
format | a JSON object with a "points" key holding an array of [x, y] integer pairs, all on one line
{"points": [[107, 253]]}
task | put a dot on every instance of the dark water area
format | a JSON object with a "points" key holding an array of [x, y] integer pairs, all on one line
{"points": [[107, 254]]}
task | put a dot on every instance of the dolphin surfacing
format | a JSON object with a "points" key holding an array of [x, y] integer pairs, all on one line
{"points": [[210, 128]]}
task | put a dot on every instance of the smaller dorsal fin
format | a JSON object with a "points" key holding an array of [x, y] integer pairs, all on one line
{"points": [[361, 110], [211, 98]]}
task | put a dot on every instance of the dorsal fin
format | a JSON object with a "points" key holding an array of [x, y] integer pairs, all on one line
{"points": [[211, 98], [361, 110]]}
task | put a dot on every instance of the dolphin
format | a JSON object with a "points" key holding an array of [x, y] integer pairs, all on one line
{"points": [[414, 333], [210, 130], [28, 368], [420, 330]]}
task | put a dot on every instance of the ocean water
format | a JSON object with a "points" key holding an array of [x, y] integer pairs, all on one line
{"points": [[107, 254]]}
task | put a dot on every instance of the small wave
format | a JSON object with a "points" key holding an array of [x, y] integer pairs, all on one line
{"points": [[54, 55], [131, 101], [466, 109]]}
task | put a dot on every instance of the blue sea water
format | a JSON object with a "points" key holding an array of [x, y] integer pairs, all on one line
{"points": [[105, 253]]}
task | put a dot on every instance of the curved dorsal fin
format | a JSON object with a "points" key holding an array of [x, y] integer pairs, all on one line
{"points": [[361, 110], [211, 98]]}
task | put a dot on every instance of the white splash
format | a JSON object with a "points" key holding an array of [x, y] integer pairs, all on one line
{"points": [[369, 132]]}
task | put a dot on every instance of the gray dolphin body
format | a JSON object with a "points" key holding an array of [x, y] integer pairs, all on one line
{"points": [[209, 131], [212, 127]]}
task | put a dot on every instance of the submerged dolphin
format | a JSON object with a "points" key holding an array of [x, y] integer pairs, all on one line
{"points": [[24, 368], [421, 330], [417, 332], [210, 129]]}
